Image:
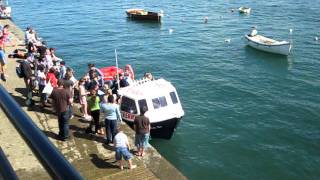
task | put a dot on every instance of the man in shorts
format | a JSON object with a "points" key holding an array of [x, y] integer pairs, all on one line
{"points": [[122, 149], [142, 128]]}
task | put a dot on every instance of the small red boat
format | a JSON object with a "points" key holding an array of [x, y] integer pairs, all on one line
{"points": [[110, 72]]}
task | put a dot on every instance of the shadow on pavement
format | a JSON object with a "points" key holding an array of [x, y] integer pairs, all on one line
{"points": [[102, 163]]}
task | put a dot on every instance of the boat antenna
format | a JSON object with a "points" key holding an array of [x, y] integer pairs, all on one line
{"points": [[115, 53]]}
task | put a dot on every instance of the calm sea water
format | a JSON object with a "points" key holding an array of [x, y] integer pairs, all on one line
{"points": [[249, 114]]}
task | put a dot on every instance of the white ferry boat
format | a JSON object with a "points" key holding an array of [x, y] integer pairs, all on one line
{"points": [[161, 99]]}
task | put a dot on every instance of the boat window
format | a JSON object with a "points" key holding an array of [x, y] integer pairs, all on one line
{"points": [[142, 102], [159, 102], [128, 105], [174, 97], [163, 101], [156, 103]]}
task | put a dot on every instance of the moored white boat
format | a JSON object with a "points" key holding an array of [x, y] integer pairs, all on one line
{"points": [[5, 10], [245, 10], [269, 45], [162, 101]]}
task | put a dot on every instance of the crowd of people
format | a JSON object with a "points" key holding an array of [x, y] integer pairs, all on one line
{"points": [[47, 75]]}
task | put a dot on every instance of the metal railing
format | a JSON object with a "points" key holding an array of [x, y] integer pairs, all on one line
{"points": [[6, 170], [51, 158]]}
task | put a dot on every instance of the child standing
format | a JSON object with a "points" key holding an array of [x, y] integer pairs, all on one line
{"points": [[122, 149]]}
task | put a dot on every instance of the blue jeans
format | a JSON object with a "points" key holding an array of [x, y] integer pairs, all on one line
{"points": [[43, 96], [123, 152], [63, 121], [111, 128], [70, 110]]}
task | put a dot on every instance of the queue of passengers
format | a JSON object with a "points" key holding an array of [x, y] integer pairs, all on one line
{"points": [[95, 96]]}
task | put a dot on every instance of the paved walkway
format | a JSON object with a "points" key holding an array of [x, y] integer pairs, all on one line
{"points": [[87, 153]]}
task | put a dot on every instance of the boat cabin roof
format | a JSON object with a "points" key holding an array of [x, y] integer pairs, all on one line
{"points": [[144, 88]]}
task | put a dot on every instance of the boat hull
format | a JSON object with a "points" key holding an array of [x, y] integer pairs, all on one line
{"points": [[163, 129], [151, 16], [5, 17], [283, 49]]}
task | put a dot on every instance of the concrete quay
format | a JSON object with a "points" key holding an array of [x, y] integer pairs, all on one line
{"points": [[85, 152]]}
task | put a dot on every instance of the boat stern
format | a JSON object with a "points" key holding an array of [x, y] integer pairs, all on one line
{"points": [[162, 129]]}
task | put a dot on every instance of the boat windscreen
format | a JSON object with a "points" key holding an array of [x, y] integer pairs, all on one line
{"points": [[142, 102], [128, 105], [159, 102]]}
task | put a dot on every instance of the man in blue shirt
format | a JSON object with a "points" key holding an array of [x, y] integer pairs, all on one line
{"points": [[112, 114], [63, 70]]}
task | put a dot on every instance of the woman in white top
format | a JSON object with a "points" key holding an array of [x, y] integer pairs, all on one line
{"points": [[31, 36], [41, 77], [83, 98]]}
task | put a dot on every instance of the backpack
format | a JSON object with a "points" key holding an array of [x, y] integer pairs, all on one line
{"points": [[19, 71]]}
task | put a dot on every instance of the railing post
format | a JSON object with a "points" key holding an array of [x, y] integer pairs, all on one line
{"points": [[6, 170], [52, 159]]}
